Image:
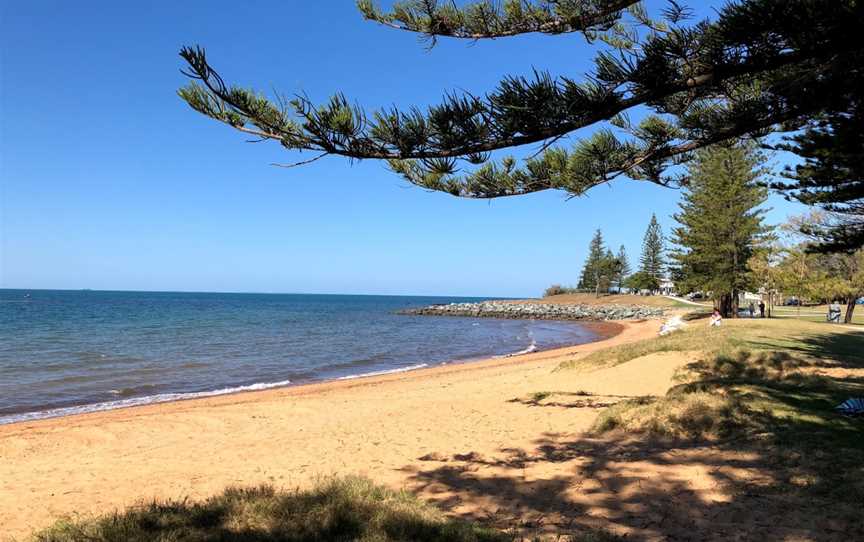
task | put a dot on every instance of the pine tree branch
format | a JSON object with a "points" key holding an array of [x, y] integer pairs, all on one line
{"points": [[558, 169], [487, 19], [757, 68]]}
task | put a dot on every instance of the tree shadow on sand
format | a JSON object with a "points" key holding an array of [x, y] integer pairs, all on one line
{"points": [[785, 466], [578, 399]]}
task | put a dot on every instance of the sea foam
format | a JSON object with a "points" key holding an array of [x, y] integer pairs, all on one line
{"points": [[134, 401], [385, 372]]}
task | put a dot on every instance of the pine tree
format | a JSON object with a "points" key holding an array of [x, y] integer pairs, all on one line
{"points": [[651, 264], [759, 66], [623, 268], [831, 176], [608, 271], [593, 263], [720, 223]]}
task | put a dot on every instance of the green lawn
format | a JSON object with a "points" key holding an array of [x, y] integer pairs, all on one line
{"points": [[817, 313]]}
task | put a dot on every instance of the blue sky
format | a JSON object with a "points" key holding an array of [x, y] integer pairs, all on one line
{"points": [[109, 181]]}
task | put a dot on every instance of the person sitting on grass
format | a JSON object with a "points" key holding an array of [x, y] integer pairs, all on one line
{"points": [[716, 319]]}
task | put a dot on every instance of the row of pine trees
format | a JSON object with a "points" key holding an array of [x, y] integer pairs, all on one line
{"points": [[604, 270], [719, 229]]}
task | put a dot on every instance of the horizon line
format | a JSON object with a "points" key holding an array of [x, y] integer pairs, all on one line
{"points": [[243, 292]]}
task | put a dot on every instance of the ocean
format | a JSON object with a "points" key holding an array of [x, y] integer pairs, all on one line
{"points": [[64, 352]]}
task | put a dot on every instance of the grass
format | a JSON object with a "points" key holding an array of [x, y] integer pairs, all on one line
{"points": [[693, 338], [810, 338], [540, 395], [818, 313], [771, 385], [716, 397], [338, 509]]}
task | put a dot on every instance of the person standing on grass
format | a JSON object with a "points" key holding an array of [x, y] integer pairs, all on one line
{"points": [[761, 309], [834, 312], [752, 309]]}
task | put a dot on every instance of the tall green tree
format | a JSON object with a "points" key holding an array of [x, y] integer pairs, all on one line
{"points": [[652, 263], [623, 268], [798, 275], [758, 66], [765, 269], [828, 277], [720, 222], [843, 278], [812, 272], [640, 281], [593, 263]]}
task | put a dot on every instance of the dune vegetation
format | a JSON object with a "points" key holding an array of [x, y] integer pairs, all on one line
{"points": [[337, 509], [768, 385]]}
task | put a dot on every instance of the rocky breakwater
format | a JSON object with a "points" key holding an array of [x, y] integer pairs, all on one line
{"points": [[540, 311]]}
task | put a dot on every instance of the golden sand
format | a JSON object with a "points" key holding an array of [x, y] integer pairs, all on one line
{"points": [[452, 433]]}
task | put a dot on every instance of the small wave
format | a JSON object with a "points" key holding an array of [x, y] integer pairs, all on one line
{"points": [[134, 401], [136, 390], [527, 350], [385, 372]]}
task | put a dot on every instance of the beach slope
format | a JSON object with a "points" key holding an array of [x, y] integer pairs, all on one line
{"points": [[400, 430]]}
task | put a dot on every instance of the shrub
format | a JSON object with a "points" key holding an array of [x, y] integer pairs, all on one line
{"points": [[697, 415], [555, 289]]}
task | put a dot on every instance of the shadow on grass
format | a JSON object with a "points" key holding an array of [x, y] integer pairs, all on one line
{"points": [[844, 349], [748, 447]]}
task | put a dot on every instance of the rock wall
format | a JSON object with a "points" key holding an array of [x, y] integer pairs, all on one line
{"points": [[540, 311]]}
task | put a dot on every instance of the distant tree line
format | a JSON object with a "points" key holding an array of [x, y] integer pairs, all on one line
{"points": [[605, 271]]}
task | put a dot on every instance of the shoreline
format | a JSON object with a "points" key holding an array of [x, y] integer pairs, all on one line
{"points": [[603, 330], [381, 427]]}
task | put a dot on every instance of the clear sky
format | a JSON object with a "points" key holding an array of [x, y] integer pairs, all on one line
{"points": [[109, 181]]}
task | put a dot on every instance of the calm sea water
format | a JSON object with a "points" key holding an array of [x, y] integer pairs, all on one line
{"points": [[63, 352]]}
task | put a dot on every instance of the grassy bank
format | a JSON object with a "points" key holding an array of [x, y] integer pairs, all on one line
{"points": [[338, 509], [770, 386]]}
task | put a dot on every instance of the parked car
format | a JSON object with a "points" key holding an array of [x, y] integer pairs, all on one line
{"points": [[792, 302]]}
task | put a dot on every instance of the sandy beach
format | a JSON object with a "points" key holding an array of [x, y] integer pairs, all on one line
{"points": [[462, 436]]}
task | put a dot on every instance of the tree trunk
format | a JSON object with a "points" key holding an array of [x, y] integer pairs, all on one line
{"points": [[850, 309], [733, 304], [725, 305]]}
